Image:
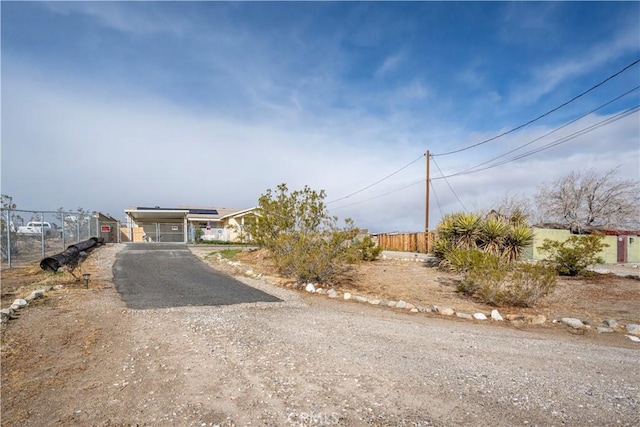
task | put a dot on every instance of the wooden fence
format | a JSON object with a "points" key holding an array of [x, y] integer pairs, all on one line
{"points": [[405, 242]]}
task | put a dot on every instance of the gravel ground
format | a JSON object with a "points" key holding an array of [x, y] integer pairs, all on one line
{"points": [[307, 360]]}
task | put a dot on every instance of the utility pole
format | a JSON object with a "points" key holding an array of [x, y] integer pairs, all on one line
{"points": [[426, 213]]}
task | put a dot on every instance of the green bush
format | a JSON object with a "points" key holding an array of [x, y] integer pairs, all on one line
{"points": [[520, 285], [574, 255], [304, 240], [462, 260], [367, 249]]}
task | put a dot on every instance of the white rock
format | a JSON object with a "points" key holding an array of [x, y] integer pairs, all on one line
{"points": [[346, 295], [479, 316], [602, 330], [401, 304], [495, 315], [447, 311], [632, 338], [574, 323], [464, 316], [633, 329], [20, 302], [374, 301], [310, 287], [249, 272], [332, 293], [361, 298], [5, 314]]}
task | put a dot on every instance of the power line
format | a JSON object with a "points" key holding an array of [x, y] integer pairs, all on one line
{"points": [[382, 195], [377, 182], [436, 196], [450, 187], [551, 132], [562, 140], [523, 155], [542, 115]]}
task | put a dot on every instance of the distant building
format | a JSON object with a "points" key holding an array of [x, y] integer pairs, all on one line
{"points": [[624, 246], [187, 224]]}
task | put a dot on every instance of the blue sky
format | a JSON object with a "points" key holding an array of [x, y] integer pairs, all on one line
{"points": [[115, 104]]}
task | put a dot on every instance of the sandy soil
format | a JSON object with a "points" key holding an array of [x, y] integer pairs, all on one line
{"points": [[80, 357]]}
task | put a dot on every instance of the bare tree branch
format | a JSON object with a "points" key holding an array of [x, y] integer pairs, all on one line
{"points": [[590, 200]]}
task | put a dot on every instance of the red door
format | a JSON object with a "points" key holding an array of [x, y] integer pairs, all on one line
{"points": [[622, 249]]}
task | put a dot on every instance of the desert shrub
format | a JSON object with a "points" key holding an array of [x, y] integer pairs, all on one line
{"points": [[305, 242], [574, 255], [462, 260], [366, 249], [520, 285], [494, 234]]}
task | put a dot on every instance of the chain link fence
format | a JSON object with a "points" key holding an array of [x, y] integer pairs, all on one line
{"points": [[28, 236]]}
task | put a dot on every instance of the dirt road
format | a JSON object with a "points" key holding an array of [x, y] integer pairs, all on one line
{"points": [[82, 358]]}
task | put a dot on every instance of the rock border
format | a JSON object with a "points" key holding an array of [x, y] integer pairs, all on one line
{"points": [[10, 313], [631, 330]]}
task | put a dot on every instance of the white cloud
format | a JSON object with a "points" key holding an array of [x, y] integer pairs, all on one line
{"points": [[130, 20], [549, 76], [390, 64]]}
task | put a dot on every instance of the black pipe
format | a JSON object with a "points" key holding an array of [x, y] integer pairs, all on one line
{"points": [[71, 255]]}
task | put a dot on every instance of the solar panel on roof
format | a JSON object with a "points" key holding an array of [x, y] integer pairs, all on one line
{"points": [[203, 211]]}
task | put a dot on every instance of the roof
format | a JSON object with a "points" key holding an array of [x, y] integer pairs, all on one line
{"points": [[589, 230], [193, 213]]}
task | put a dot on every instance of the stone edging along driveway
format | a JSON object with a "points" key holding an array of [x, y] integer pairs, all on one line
{"points": [[631, 330]]}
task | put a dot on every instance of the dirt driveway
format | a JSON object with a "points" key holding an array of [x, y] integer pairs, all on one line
{"points": [[80, 357]]}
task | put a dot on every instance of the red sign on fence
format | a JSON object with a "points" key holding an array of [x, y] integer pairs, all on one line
{"points": [[105, 228]]}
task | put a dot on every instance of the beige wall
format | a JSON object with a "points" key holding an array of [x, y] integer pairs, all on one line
{"points": [[609, 254]]}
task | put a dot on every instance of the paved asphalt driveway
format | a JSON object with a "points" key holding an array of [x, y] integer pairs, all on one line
{"points": [[161, 275]]}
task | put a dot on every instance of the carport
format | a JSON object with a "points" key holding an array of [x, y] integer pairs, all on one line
{"points": [[167, 225]]}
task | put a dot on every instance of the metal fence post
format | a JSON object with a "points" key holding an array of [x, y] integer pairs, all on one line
{"points": [[42, 233], [62, 234], [8, 249]]}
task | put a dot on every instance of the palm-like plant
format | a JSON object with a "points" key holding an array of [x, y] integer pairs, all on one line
{"points": [[467, 228], [519, 237], [493, 232]]}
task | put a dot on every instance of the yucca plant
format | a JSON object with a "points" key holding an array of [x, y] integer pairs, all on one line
{"points": [[519, 237], [467, 230], [493, 232]]}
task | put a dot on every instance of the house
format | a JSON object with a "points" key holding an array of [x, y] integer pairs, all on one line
{"points": [[624, 246], [187, 224]]}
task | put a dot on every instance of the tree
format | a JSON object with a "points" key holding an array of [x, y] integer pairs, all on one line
{"points": [[304, 240], [586, 200], [574, 255], [7, 205], [7, 202]]}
